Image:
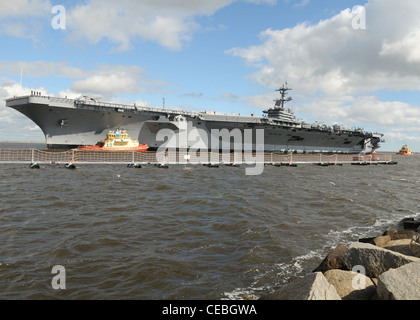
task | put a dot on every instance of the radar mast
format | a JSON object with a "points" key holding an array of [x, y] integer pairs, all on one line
{"points": [[280, 102]]}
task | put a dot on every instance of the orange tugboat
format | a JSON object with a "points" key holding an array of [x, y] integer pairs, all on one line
{"points": [[117, 140], [405, 150]]}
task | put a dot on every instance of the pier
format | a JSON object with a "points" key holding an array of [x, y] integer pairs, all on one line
{"points": [[76, 156]]}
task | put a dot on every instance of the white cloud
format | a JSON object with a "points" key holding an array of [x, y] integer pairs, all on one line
{"points": [[167, 22], [271, 2], [42, 69], [302, 3], [24, 8], [404, 136], [105, 80], [121, 23], [333, 57], [351, 110], [22, 18], [112, 80], [407, 48], [230, 96]]}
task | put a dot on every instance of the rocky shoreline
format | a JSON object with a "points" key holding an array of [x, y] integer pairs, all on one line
{"points": [[386, 267]]}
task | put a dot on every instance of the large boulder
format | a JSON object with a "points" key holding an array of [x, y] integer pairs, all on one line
{"points": [[381, 241], [402, 283], [375, 260], [313, 286], [401, 246], [351, 285], [414, 247], [334, 260], [397, 234], [411, 225]]}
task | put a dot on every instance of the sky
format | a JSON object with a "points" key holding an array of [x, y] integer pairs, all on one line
{"points": [[353, 63]]}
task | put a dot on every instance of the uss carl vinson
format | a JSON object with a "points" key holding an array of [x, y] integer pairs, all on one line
{"points": [[70, 123]]}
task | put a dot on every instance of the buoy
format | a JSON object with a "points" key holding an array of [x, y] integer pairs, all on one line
{"points": [[327, 164], [288, 164], [70, 166], [34, 166], [210, 165], [134, 165]]}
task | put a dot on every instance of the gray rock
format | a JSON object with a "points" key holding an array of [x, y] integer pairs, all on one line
{"points": [[401, 246], [382, 240], [414, 246], [351, 285], [375, 260], [402, 283], [313, 286], [397, 234]]}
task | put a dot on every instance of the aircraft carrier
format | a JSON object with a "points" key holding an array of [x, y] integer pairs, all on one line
{"points": [[70, 123]]}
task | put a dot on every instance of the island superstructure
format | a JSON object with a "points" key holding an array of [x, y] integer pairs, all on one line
{"points": [[70, 123]]}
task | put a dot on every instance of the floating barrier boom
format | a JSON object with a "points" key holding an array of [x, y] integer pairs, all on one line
{"points": [[179, 157]]}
